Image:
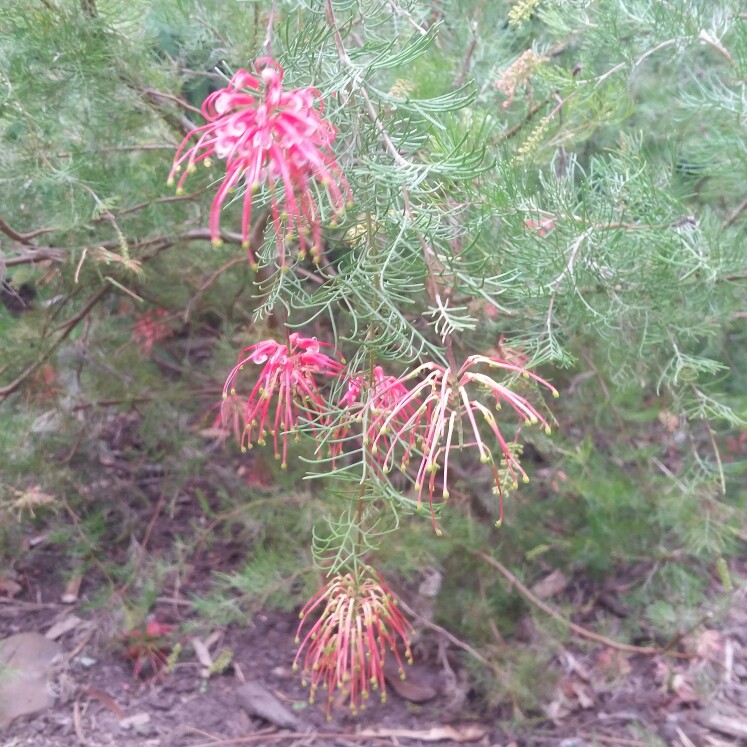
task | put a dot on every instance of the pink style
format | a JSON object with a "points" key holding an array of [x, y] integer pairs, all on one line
{"points": [[271, 138], [288, 376]]}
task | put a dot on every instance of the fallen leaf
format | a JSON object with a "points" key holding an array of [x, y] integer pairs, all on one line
{"points": [[551, 585], [582, 693], [612, 664], [8, 586], [257, 701], [107, 700], [413, 687], [202, 653], [63, 626], [710, 645], [683, 688], [72, 588], [733, 727]]}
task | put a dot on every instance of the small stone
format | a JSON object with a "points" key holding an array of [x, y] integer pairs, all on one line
{"points": [[27, 664]]}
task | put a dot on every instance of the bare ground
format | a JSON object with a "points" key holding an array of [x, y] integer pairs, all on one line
{"points": [[695, 693]]}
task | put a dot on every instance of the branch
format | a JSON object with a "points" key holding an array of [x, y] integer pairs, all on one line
{"points": [[449, 637], [732, 219], [22, 238], [67, 328], [459, 82], [577, 629]]}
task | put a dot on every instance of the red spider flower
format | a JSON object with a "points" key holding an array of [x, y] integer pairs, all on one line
{"points": [[148, 645], [274, 138], [153, 326], [347, 645], [289, 376], [367, 397], [429, 418]]}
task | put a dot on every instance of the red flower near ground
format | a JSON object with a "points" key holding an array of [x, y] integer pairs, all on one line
{"points": [[147, 646], [274, 138], [428, 421], [345, 648], [153, 326], [289, 377]]}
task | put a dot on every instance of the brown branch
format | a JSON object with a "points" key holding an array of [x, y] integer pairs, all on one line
{"points": [[37, 255], [154, 93], [732, 219], [574, 627], [23, 238], [159, 200], [509, 133], [67, 328], [450, 637], [459, 82]]}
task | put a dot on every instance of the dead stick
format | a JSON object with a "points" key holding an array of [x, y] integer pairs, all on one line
{"points": [[577, 629], [69, 326], [289, 736]]}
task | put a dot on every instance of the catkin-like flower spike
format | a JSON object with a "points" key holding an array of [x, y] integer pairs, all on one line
{"points": [[289, 379], [270, 137], [426, 418], [345, 647]]}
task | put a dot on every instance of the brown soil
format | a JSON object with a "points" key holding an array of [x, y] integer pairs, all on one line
{"points": [[600, 695]]}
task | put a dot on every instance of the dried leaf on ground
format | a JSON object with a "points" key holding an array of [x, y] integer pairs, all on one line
{"points": [[257, 701], [551, 585]]}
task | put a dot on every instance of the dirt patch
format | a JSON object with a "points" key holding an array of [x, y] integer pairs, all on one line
{"points": [[696, 694]]}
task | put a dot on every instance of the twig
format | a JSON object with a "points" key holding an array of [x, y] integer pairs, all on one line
{"points": [[272, 735], [450, 637], [577, 629], [459, 82], [160, 200], [45, 254], [152, 92], [267, 43], [511, 131], [143, 544], [732, 219], [22, 238], [67, 328], [402, 12], [345, 59]]}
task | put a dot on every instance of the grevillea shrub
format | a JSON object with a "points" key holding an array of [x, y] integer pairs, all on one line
{"points": [[395, 232], [278, 143]]}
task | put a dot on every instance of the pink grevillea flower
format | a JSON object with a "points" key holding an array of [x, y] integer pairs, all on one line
{"points": [[274, 138], [289, 377], [366, 399], [428, 422], [346, 646], [153, 326]]}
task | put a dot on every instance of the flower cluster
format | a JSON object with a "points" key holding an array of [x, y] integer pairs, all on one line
{"points": [[148, 646], [153, 326], [427, 421], [274, 138], [346, 646], [366, 398], [278, 140], [289, 377]]}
